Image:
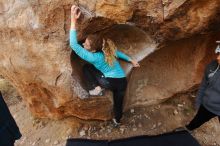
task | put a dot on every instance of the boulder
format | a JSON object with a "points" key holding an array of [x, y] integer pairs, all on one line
{"points": [[172, 39]]}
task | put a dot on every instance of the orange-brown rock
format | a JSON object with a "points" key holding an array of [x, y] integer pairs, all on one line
{"points": [[172, 39]]}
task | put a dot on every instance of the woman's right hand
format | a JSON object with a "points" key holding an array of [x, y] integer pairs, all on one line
{"points": [[75, 13]]}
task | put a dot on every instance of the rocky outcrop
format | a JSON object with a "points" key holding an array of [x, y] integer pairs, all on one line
{"points": [[172, 39], [176, 67]]}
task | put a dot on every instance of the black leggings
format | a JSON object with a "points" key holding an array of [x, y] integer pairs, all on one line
{"points": [[118, 86], [202, 116]]}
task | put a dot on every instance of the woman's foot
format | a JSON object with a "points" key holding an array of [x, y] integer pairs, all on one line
{"points": [[182, 129], [115, 123], [96, 92]]}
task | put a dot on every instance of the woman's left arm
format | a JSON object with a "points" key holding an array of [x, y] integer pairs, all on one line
{"points": [[125, 57]]}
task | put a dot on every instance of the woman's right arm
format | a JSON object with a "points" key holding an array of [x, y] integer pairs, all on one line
{"points": [[77, 48]]}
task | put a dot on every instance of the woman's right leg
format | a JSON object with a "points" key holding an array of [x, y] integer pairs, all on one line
{"points": [[118, 87], [95, 80], [118, 98], [91, 75], [202, 116]]}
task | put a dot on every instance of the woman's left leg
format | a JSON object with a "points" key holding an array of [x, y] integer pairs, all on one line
{"points": [[118, 98], [119, 86]]}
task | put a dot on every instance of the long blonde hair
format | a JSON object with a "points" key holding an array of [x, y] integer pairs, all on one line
{"points": [[109, 50]]}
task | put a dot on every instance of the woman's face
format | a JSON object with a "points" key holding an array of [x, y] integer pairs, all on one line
{"points": [[87, 44]]}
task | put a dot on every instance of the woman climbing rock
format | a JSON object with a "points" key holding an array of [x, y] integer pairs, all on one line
{"points": [[104, 70]]}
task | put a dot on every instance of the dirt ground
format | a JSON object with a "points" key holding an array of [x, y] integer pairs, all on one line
{"points": [[152, 120]]}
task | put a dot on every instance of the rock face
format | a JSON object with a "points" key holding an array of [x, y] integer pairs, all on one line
{"points": [[172, 39]]}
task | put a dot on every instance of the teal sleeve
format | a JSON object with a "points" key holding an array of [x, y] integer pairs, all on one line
{"points": [[79, 50], [123, 56]]}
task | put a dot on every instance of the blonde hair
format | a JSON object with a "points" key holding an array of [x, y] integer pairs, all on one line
{"points": [[109, 50]]}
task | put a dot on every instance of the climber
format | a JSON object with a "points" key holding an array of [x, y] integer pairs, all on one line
{"points": [[104, 70], [208, 96]]}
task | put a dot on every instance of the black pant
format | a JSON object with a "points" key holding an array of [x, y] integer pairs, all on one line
{"points": [[117, 85], [9, 131], [202, 116]]}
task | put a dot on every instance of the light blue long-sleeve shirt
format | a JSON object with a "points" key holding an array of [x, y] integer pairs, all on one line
{"points": [[98, 58]]}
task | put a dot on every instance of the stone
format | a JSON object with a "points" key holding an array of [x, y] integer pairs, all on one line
{"points": [[139, 125], [56, 142], [134, 129], [122, 130], [86, 127], [64, 137], [15, 116], [47, 140], [180, 105], [154, 126], [82, 133], [146, 116], [193, 95], [69, 131], [159, 124], [175, 112], [157, 107], [23, 139]]}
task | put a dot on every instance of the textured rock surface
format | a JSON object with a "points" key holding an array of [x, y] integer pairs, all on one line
{"points": [[175, 68], [35, 55]]}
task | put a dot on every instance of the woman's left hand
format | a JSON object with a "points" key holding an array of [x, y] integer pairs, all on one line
{"points": [[135, 63]]}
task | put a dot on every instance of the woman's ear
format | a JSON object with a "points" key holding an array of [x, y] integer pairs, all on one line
{"points": [[103, 42]]}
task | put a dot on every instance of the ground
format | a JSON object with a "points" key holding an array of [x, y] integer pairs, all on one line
{"points": [[151, 120]]}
